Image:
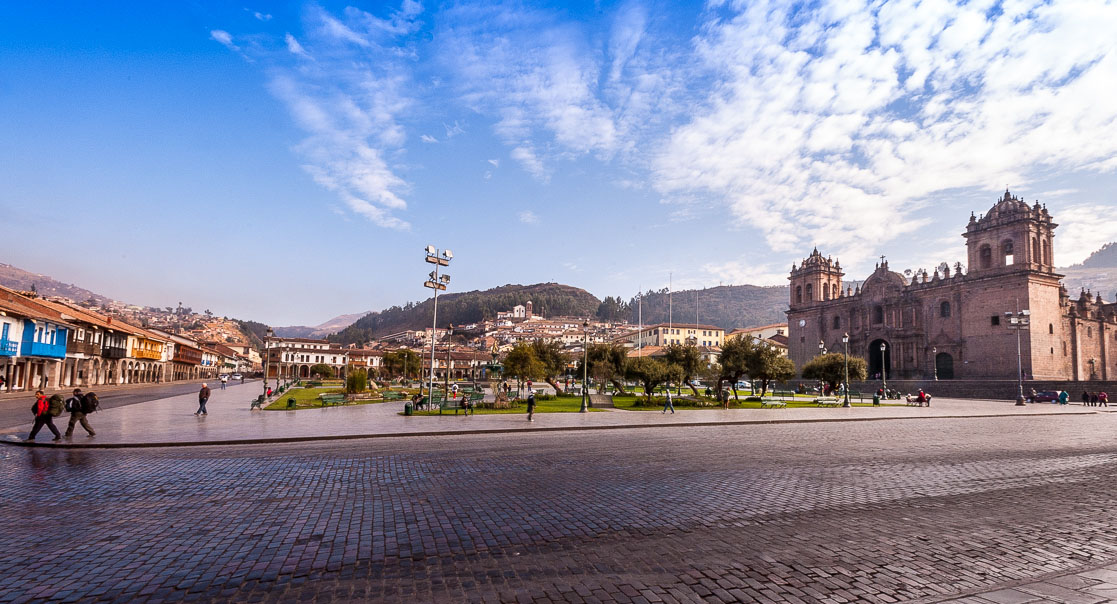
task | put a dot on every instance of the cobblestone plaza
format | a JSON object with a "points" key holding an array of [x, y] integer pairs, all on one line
{"points": [[1012, 509]]}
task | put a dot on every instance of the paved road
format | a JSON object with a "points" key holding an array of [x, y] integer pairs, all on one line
{"points": [[17, 411], [922, 510]]}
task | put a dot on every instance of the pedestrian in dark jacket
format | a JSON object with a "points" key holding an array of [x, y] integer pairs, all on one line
{"points": [[530, 405], [1086, 398], [203, 396], [77, 408], [41, 409]]}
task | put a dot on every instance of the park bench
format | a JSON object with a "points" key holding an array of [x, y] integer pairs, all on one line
{"points": [[393, 395], [456, 404], [771, 403], [827, 401], [257, 403], [783, 395], [331, 399]]}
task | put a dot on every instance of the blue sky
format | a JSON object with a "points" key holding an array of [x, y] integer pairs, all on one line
{"points": [[289, 163]]}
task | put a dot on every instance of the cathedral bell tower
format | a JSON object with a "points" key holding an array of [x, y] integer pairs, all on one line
{"points": [[1011, 237], [815, 279]]}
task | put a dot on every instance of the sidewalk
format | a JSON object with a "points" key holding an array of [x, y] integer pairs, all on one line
{"points": [[1084, 587], [171, 421], [29, 395]]}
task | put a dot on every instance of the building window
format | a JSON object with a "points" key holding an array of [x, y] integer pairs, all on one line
{"points": [[1007, 252], [798, 294], [995, 320], [878, 315], [1064, 348], [944, 310], [1051, 328], [1089, 332], [837, 322], [985, 256], [809, 293]]}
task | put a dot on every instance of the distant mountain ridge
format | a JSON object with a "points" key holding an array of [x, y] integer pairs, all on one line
{"points": [[321, 330], [1097, 273]]}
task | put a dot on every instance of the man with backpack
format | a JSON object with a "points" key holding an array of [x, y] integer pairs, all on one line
{"points": [[78, 409], [44, 416]]}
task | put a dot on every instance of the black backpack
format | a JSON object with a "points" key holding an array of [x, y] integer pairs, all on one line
{"points": [[89, 403]]}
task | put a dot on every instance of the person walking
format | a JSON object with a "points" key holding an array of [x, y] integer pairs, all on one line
{"points": [[1086, 398], [43, 417], [1094, 399], [1103, 399], [78, 410], [224, 380], [1064, 397], [530, 405], [667, 404], [203, 396]]}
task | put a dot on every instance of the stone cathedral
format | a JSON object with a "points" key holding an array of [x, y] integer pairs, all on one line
{"points": [[955, 322]]}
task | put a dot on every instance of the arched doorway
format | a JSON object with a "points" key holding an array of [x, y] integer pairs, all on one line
{"points": [[880, 363], [944, 366], [304, 371]]}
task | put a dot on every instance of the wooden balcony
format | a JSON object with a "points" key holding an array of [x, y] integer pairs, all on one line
{"points": [[141, 353], [8, 348], [114, 352]]}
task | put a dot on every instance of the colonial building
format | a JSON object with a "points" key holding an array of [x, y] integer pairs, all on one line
{"points": [[676, 333], [958, 323]]}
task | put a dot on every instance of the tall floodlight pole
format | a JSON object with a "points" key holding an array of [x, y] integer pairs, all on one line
{"points": [[267, 353], [437, 283], [585, 366], [845, 340], [935, 362], [883, 369], [1019, 321]]}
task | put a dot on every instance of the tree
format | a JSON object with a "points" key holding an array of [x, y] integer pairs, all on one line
{"points": [[521, 362], [322, 370], [403, 362], [767, 365], [688, 359], [734, 359], [830, 368], [606, 364], [651, 373], [552, 361], [356, 381]]}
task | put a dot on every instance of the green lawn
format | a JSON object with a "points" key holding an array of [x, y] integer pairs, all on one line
{"points": [[628, 403], [562, 404], [307, 398]]}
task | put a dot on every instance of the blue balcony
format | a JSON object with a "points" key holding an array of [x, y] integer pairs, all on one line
{"points": [[8, 348], [37, 349]]}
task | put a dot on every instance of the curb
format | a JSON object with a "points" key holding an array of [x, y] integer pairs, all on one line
{"points": [[300, 439]]}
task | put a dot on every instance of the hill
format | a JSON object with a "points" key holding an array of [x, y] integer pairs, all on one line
{"points": [[728, 306], [321, 330], [21, 280], [549, 299], [1097, 273]]}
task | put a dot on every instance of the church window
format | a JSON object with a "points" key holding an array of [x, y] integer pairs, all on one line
{"points": [[1089, 332], [985, 256], [878, 315], [1064, 348], [1051, 328], [1007, 252], [995, 320], [809, 293], [1035, 250], [837, 322], [798, 293], [944, 310], [1046, 253]]}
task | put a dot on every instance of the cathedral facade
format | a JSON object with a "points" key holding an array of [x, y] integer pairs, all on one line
{"points": [[961, 324]]}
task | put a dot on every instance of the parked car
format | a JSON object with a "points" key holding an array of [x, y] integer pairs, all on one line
{"points": [[743, 385], [238, 376], [223, 376], [1047, 396]]}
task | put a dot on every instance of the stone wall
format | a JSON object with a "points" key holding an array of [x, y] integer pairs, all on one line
{"points": [[982, 389]]}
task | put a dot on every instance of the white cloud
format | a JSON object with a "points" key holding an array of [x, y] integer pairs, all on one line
{"points": [[495, 162], [528, 217], [225, 38], [294, 47], [453, 130], [426, 138], [262, 16], [1093, 225], [835, 125], [740, 272], [530, 162]]}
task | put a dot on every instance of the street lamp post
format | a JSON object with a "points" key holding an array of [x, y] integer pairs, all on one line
{"points": [[935, 362], [1019, 321], [437, 283], [449, 345], [267, 354], [585, 366], [822, 351], [883, 369], [845, 341]]}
